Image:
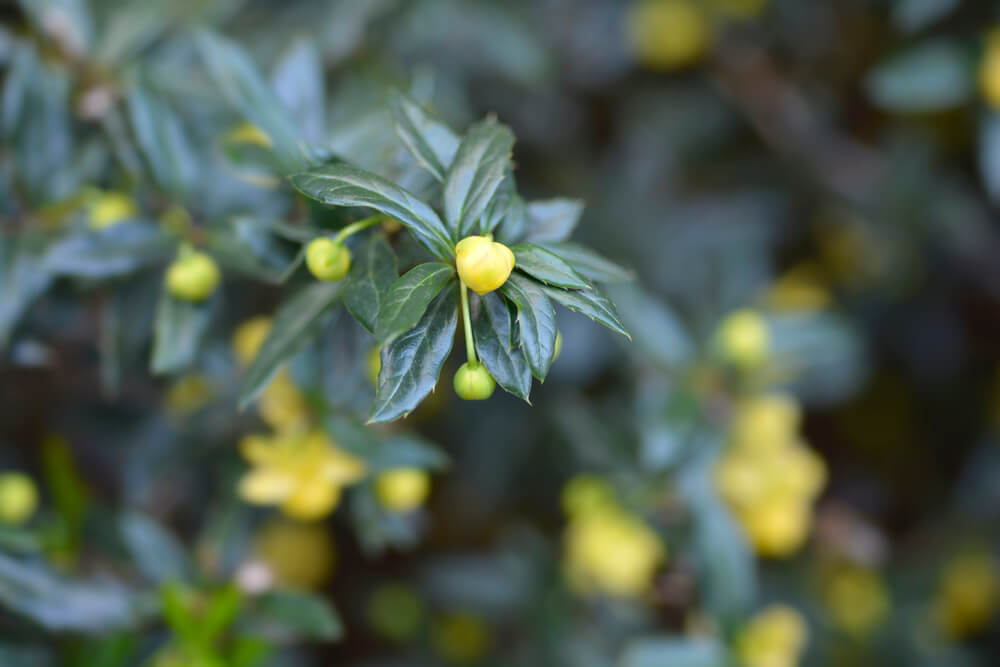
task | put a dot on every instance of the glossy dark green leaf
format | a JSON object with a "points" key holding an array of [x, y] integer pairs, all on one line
{"points": [[114, 251], [546, 266], [373, 271], [493, 327], [590, 302], [237, 78], [178, 332], [343, 185], [536, 320], [162, 140], [552, 219], [673, 652], [298, 82], [411, 363], [153, 549], [295, 322], [588, 263], [429, 140], [482, 159], [408, 297]]}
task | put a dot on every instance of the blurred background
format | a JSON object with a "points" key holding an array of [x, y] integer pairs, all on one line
{"points": [[794, 461]]}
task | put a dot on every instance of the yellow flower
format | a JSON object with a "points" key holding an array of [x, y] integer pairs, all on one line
{"points": [[395, 612], [609, 551], [299, 555], [303, 473], [282, 405], [775, 637], [402, 489], [18, 498], [461, 638], [766, 423], [743, 338], [483, 264], [989, 71], [856, 599], [585, 494], [777, 527], [969, 594], [248, 338], [110, 208], [668, 34], [799, 289], [188, 395]]}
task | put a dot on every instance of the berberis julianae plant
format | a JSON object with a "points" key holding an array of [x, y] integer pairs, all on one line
{"points": [[482, 236]]}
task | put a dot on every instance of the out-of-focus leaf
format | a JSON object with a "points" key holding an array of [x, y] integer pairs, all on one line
{"points": [[655, 328], [408, 297], [430, 141], [379, 529], [344, 185], [20, 74], [912, 15], [296, 321], [673, 652], [21, 281], [247, 246], [373, 271], [822, 354], [154, 551], [43, 141], [178, 332], [69, 23], [588, 263], [536, 320], [60, 604], [552, 219], [480, 163], [545, 265], [989, 154], [507, 214], [222, 609], [931, 77], [493, 327], [236, 76], [590, 302], [384, 453], [162, 140], [110, 252], [298, 81], [411, 363], [297, 614]]}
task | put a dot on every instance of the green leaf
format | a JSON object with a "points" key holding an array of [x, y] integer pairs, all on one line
{"points": [[673, 652], [343, 185], [429, 140], [177, 612], [407, 299], [178, 332], [248, 246], [298, 82], [114, 251], [493, 328], [154, 550], [236, 76], [591, 303], [373, 271], [933, 76], [536, 320], [546, 266], [21, 281], [588, 263], [989, 154], [298, 614], [296, 321], [657, 330], [552, 219], [221, 612], [162, 140], [411, 363], [480, 163]]}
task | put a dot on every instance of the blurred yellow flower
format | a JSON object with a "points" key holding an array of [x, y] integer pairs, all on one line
{"points": [[248, 338], [777, 527], [402, 489], [969, 594], [303, 473], [188, 395], [856, 599], [743, 338], [461, 638], [298, 555], [775, 637], [110, 208], [585, 494], [989, 71], [766, 423], [282, 405], [801, 288], [395, 612], [18, 498], [668, 34]]}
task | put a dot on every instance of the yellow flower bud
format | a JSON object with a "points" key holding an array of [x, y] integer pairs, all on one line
{"points": [[775, 636], [668, 34], [743, 338], [402, 489], [328, 260], [193, 276], [473, 382], [18, 498], [110, 208], [483, 264]]}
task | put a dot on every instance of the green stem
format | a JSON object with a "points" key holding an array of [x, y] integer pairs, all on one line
{"points": [[470, 345], [355, 227]]}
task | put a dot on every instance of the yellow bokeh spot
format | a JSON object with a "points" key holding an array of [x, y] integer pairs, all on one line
{"points": [[766, 423], [800, 289], [248, 133], [298, 555], [461, 638], [395, 612], [775, 637], [18, 498], [585, 494], [248, 338], [282, 405], [188, 395], [969, 594], [110, 208], [668, 34], [989, 71], [856, 599], [402, 489], [743, 338]]}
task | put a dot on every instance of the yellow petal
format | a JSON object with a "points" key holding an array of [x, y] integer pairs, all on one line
{"points": [[312, 501], [264, 486]]}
